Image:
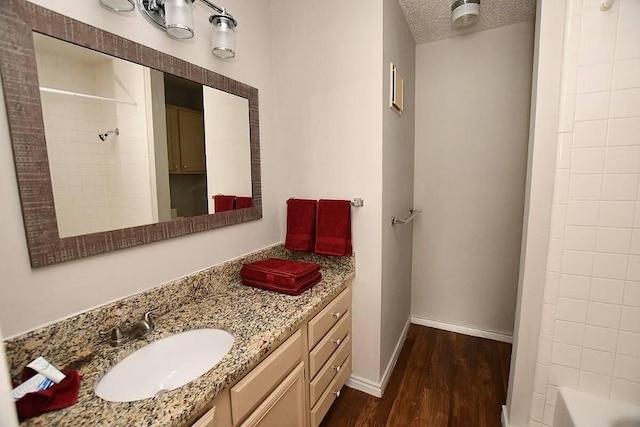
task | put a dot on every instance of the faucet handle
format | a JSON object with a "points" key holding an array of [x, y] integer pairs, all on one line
{"points": [[147, 315], [116, 337]]}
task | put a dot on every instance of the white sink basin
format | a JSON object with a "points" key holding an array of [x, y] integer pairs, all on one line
{"points": [[164, 365]]}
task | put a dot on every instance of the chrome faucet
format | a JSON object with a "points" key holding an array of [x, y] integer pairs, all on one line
{"points": [[118, 336]]}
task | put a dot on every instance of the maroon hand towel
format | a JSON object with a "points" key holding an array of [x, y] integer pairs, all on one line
{"points": [[333, 232], [243, 202], [224, 203], [281, 272], [58, 396], [301, 224], [303, 286]]}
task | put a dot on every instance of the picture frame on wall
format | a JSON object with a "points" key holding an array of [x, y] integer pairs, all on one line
{"points": [[396, 90]]}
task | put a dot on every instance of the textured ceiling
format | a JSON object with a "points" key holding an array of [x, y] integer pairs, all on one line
{"points": [[430, 20]]}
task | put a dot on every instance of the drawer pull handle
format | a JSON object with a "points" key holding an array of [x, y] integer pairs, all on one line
{"points": [[337, 368], [337, 314], [336, 342], [336, 393]]}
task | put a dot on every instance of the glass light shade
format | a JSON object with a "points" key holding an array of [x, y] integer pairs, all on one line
{"points": [[118, 5], [223, 37], [178, 18]]}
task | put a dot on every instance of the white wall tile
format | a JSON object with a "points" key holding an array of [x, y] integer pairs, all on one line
{"points": [[614, 240], [624, 131], [561, 186], [570, 75], [598, 49], [599, 338], [633, 273], [596, 384], [563, 376], [577, 262], [594, 78], [563, 158], [580, 238], [630, 320], [569, 332], [585, 213], [622, 159], [636, 217], [635, 242], [629, 344], [619, 186], [552, 394], [615, 214], [594, 22], [610, 266], [590, 133], [545, 346], [549, 412], [626, 74], [547, 319], [629, 15], [627, 368], [606, 290], [625, 391], [595, 106], [541, 379], [572, 310], [624, 103], [627, 47], [551, 287], [554, 256], [632, 294], [558, 213], [584, 187], [574, 286], [588, 160], [537, 407], [600, 362], [604, 315]]}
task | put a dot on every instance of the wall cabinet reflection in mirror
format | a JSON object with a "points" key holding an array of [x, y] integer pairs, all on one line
{"points": [[177, 144], [117, 144]]}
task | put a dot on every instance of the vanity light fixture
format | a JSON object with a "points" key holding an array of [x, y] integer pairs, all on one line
{"points": [[118, 5], [175, 17]]}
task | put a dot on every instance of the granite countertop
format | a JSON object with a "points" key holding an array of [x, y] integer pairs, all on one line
{"points": [[259, 320]]}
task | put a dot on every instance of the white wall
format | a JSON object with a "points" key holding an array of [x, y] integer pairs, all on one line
{"points": [[472, 117], [397, 182], [8, 416], [328, 78], [590, 328], [30, 298]]}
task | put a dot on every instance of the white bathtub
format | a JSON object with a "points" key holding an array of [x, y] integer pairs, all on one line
{"points": [[577, 409]]}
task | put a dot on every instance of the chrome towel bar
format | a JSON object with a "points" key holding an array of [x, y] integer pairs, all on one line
{"points": [[414, 213]]}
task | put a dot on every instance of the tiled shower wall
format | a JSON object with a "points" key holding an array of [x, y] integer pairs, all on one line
{"points": [[590, 331]]}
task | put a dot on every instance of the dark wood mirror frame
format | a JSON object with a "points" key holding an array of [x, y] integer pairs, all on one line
{"points": [[18, 20]]}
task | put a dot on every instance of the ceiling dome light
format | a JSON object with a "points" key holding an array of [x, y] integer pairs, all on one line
{"points": [[223, 35], [465, 13], [118, 5]]}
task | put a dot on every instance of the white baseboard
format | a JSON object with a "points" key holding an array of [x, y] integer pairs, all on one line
{"points": [[504, 418], [462, 329], [377, 389]]}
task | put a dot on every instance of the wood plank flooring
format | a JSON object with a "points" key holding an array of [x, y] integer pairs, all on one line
{"points": [[441, 379]]}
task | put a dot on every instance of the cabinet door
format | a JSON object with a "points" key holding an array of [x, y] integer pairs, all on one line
{"points": [[192, 152], [285, 406], [173, 138]]}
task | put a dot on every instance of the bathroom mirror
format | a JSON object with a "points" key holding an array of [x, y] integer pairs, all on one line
{"points": [[116, 144]]}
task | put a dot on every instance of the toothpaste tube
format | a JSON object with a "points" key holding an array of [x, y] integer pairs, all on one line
{"points": [[43, 367], [36, 383]]}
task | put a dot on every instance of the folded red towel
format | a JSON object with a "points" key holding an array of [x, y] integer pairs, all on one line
{"points": [[301, 224], [58, 396], [281, 272], [303, 286], [224, 203], [243, 202], [333, 230]]}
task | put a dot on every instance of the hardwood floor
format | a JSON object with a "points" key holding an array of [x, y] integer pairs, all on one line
{"points": [[441, 379]]}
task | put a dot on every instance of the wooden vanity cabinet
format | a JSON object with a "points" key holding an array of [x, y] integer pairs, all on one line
{"points": [[185, 140], [297, 383]]}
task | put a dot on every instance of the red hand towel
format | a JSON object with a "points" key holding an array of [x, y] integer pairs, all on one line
{"points": [[224, 203], [301, 224], [281, 272], [58, 396], [243, 202], [333, 232], [303, 286]]}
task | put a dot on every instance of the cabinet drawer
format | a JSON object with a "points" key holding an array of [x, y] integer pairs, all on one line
{"points": [[328, 345], [285, 406], [330, 370], [253, 388], [331, 393], [329, 316]]}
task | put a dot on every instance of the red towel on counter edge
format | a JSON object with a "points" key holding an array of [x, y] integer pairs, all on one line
{"points": [[243, 202], [303, 286], [223, 203], [333, 229], [58, 396], [301, 224], [282, 272]]}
